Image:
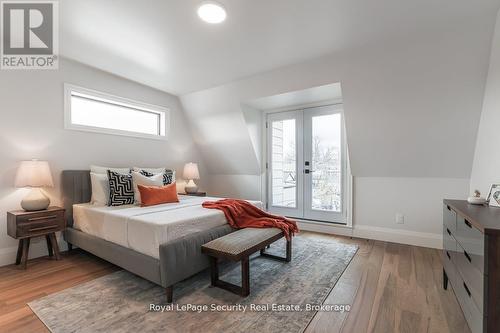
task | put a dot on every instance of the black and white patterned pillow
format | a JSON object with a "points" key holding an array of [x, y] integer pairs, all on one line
{"points": [[168, 175], [121, 190]]}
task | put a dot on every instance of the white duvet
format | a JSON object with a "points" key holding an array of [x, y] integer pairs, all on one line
{"points": [[143, 229]]}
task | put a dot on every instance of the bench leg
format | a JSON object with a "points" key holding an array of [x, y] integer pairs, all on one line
{"points": [[245, 277], [289, 250], [288, 256], [170, 293], [244, 290], [214, 271]]}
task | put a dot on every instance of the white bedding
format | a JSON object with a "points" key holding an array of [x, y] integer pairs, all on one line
{"points": [[143, 229]]}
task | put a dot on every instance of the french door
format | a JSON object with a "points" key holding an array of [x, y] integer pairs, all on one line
{"points": [[306, 163]]}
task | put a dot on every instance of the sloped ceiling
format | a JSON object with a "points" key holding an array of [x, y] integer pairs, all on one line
{"points": [[163, 44], [412, 72], [327, 93], [411, 106]]}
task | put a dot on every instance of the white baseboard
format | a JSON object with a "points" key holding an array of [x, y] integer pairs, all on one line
{"points": [[377, 233], [38, 248], [326, 228]]}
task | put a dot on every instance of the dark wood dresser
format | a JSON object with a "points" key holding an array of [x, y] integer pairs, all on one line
{"points": [[471, 261]]}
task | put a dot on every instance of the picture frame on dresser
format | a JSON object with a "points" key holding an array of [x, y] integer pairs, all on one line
{"points": [[494, 196]]}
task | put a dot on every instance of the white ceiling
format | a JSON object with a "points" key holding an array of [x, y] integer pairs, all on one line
{"points": [[326, 93], [163, 44]]}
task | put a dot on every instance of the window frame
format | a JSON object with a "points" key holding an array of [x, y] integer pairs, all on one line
{"points": [[163, 113]]}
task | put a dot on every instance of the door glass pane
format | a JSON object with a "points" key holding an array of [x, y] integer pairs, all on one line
{"points": [[284, 164], [326, 163]]}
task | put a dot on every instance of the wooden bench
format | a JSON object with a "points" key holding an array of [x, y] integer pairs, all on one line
{"points": [[238, 246]]}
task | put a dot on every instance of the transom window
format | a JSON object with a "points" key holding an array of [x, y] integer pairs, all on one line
{"points": [[93, 111]]}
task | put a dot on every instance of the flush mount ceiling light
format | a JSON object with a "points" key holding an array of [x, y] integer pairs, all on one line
{"points": [[212, 12]]}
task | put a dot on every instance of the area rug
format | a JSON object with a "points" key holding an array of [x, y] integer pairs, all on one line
{"points": [[282, 299]]}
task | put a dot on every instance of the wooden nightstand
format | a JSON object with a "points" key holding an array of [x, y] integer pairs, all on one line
{"points": [[24, 225], [197, 194]]}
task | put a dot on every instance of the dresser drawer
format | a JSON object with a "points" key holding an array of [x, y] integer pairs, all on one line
{"points": [[41, 217], [39, 227], [450, 218], [450, 269], [472, 241], [471, 312], [449, 242], [473, 278], [449, 252]]}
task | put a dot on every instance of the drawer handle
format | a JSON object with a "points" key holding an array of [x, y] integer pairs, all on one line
{"points": [[467, 256], [467, 223], [448, 231], [43, 228], [50, 217], [448, 254], [467, 289]]}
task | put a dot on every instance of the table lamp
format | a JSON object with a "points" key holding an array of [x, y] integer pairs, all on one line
{"points": [[190, 173], [34, 174]]}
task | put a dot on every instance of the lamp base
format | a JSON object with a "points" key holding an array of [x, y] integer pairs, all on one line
{"points": [[35, 200], [191, 187]]}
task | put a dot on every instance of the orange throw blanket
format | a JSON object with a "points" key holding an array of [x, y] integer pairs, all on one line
{"points": [[242, 214]]}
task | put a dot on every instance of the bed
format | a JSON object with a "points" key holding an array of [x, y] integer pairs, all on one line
{"points": [[161, 243]]}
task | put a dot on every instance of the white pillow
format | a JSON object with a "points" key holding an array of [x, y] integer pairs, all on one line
{"points": [[100, 189], [138, 179], [155, 171], [152, 170], [104, 170]]}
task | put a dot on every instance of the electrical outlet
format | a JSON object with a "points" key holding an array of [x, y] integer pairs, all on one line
{"points": [[400, 218]]}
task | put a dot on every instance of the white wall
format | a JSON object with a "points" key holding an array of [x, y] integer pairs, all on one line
{"points": [[378, 200], [32, 126], [486, 167], [412, 109], [406, 103], [235, 186]]}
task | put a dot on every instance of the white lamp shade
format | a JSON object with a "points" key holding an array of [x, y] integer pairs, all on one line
{"points": [[34, 174], [191, 171]]}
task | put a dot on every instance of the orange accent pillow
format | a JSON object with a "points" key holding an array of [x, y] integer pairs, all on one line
{"points": [[155, 195]]}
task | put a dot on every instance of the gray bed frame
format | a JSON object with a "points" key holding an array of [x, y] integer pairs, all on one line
{"points": [[179, 259]]}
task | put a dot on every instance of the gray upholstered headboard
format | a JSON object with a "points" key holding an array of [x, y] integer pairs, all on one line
{"points": [[76, 188]]}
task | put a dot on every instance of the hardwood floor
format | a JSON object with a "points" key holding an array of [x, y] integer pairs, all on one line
{"points": [[43, 276], [390, 287]]}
